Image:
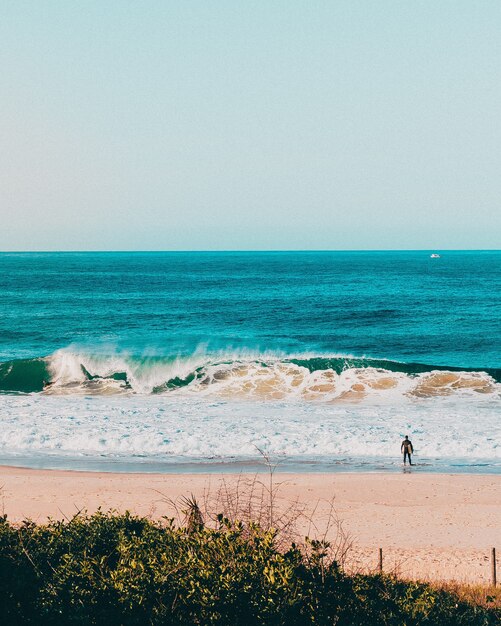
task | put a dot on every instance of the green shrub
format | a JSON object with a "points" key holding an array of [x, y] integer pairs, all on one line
{"points": [[120, 569]]}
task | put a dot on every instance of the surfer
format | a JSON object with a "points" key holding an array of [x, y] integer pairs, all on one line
{"points": [[407, 449]]}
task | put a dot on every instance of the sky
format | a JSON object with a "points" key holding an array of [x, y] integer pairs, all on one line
{"points": [[250, 124]]}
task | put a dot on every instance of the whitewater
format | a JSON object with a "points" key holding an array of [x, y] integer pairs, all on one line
{"points": [[324, 361]]}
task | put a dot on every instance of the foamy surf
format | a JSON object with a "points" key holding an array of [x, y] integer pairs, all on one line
{"points": [[77, 407], [67, 431]]}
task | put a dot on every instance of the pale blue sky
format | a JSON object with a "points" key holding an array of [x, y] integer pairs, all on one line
{"points": [[250, 124]]}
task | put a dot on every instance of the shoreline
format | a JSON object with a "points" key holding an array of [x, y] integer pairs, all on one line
{"points": [[430, 525], [231, 470], [250, 465]]}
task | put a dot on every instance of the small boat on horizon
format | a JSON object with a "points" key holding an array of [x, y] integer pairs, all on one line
{"points": [[434, 256]]}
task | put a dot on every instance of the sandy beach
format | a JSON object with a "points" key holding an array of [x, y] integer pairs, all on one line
{"points": [[430, 526]]}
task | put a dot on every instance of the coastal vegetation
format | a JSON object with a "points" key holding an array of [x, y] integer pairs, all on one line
{"points": [[110, 568]]}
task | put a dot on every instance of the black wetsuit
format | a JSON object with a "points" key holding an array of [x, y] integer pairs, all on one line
{"points": [[407, 449]]}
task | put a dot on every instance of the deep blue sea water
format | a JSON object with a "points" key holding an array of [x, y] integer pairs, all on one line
{"points": [[394, 305], [303, 353]]}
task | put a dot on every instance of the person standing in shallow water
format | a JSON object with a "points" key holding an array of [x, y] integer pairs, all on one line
{"points": [[407, 449]]}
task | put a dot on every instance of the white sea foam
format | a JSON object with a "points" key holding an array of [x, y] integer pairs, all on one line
{"points": [[139, 427]]}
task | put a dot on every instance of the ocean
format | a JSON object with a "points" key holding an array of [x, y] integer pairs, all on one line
{"points": [[200, 361]]}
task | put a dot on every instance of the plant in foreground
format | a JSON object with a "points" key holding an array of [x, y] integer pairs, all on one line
{"points": [[122, 569]]}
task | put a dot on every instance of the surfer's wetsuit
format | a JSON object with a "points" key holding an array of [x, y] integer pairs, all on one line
{"points": [[407, 449]]}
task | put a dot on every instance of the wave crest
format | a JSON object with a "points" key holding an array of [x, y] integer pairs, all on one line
{"points": [[257, 376]]}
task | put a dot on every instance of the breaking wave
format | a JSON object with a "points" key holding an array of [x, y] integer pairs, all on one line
{"points": [[241, 375]]}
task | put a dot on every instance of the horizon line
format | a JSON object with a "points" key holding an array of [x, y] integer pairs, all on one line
{"points": [[244, 250]]}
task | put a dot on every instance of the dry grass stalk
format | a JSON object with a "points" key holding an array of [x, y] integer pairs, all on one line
{"points": [[254, 499]]}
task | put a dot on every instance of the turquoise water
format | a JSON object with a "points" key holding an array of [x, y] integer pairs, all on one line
{"points": [[286, 334]]}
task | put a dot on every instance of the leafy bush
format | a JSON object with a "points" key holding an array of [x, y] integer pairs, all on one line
{"points": [[120, 569]]}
